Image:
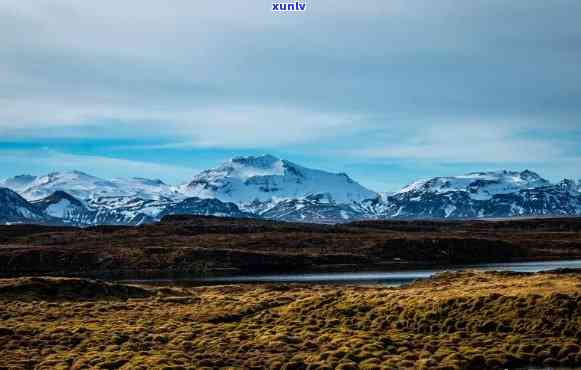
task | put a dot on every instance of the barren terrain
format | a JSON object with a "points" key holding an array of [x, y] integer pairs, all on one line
{"points": [[470, 320], [205, 246]]}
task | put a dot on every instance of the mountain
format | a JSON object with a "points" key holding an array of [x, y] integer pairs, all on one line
{"points": [[560, 199], [247, 180], [85, 186], [78, 198], [205, 207], [76, 183], [318, 208], [479, 185], [15, 209], [483, 195], [17, 183], [64, 206], [271, 188]]}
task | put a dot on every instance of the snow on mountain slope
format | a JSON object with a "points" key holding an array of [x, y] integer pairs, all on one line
{"points": [[14, 208], [317, 208], [65, 207], [84, 186], [268, 187], [59, 204], [254, 184], [479, 185], [491, 195], [76, 183], [83, 199], [17, 183], [244, 180], [146, 188], [205, 207]]}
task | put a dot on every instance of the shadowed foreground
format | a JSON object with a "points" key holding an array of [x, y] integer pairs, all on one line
{"points": [[188, 246], [470, 320]]}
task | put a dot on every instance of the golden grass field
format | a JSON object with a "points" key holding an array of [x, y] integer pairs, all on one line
{"points": [[469, 320]]}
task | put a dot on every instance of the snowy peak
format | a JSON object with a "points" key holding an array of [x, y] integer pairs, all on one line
{"points": [[530, 176], [58, 196], [17, 183], [61, 205], [64, 176], [58, 199], [14, 208], [84, 186], [144, 188], [489, 194], [265, 162], [76, 183], [273, 188], [242, 168], [479, 185], [317, 208], [244, 180]]}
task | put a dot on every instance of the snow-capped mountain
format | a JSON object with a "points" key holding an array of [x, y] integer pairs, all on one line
{"points": [[479, 185], [84, 186], [64, 206], [319, 208], [253, 184], [272, 188], [83, 199], [560, 199], [205, 207], [69, 210], [76, 183], [15, 209], [483, 195], [17, 183], [247, 180]]}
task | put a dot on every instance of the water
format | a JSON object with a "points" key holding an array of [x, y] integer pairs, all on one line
{"points": [[389, 278]]}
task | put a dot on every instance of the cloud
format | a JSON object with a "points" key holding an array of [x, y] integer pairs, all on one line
{"points": [[472, 142], [225, 127], [46, 161], [444, 81], [72, 59]]}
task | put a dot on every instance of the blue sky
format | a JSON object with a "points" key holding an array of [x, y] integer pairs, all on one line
{"points": [[387, 91]]}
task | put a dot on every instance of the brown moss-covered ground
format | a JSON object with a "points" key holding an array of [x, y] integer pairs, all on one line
{"points": [[200, 246], [470, 320]]}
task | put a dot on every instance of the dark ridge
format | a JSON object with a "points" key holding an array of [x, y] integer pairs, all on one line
{"points": [[537, 224], [206, 245]]}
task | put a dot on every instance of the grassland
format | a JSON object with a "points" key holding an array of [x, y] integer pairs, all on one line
{"points": [[469, 320], [189, 245]]}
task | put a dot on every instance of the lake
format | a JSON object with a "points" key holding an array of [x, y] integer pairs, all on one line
{"points": [[389, 278]]}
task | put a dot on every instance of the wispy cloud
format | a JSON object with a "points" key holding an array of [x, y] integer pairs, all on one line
{"points": [[233, 126], [476, 142], [107, 167], [372, 80]]}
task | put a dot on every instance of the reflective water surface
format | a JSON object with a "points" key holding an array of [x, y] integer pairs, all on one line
{"points": [[391, 278]]}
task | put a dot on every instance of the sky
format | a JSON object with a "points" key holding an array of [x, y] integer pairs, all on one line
{"points": [[386, 91]]}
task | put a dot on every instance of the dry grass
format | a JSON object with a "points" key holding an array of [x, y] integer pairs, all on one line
{"points": [[455, 321]]}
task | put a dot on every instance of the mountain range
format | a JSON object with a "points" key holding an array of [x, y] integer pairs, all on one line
{"points": [[272, 188]]}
